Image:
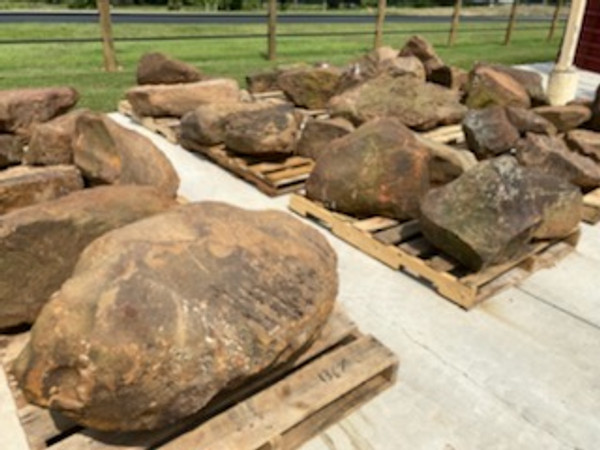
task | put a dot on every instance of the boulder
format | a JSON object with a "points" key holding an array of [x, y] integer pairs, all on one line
{"points": [[584, 142], [265, 132], [52, 142], [489, 87], [318, 134], [158, 68], [564, 117], [446, 163], [107, 153], [451, 77], [310, 87], [378, 169], [23, 186], [265, 81], [551, 154], [418, 105], [419, 47], [11, 150], [177, 99], [212, 296], [526, 121], [531, 81], [490, 214], [488, 132], [21, 108], [40, 245]]}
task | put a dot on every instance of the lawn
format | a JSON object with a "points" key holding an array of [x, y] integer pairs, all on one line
{"points": [[80, 64]]}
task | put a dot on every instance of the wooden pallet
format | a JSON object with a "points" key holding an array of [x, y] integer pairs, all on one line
{"points": [[167, 127], [339, 372], [591, 207], [401, 246]]}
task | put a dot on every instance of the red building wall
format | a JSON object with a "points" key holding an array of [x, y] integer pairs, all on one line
{"points": [[588, 50]]}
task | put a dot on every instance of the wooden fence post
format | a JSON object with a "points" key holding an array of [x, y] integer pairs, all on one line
{"points": [[455, 20], [272, 30], [108, 48], [511, 22], [381, 7], [554, 19]]}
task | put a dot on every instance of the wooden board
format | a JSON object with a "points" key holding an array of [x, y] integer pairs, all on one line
{"points": [[283, 408], [401, 246], [591, 207]]}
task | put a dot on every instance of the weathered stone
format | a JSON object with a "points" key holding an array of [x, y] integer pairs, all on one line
{"points": [[526, 121], [40, 245], [489, 214], [311, 87], [164, 314], [158, 68], [52, 142], [263, 81], [177, 99], [268, 131], [451, 77], [419, 47], [489, 132], [531, 81], [446, 163], [107, 153], [378, 169], [584, 142], [20, 108], [552, 155], [489, 87], [23, 186], [564, 118], [418, 105], [11, 150], [318, 135]]}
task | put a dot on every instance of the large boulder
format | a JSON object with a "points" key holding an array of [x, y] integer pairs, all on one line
{"points": [[177, 99], [419, 47], [265, 81], [318, 134], [52, 142], [446, 163], [490, 214], [564, 117], [23, 186], [584, 142], [40, 245], [20, 108], [158, 68], [107, 153], [488, 131], [264, 132], [451, 77], [551, 154], [527, 121], [162, 315], [418, 105], [531, 81], [311, 87], [11, 149], [378, 169], [489, 87]]}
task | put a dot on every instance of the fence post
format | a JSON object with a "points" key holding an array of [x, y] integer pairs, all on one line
{"points": [[381, 7], [511, 22], [455, 20], [108, 48], [554, 19], [272, 30]]}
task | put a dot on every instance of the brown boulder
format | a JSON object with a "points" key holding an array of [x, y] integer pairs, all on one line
{"points": [[531, 81], [418, 105], [23, 186], [489, 87], [378, 169], [267, 131], [446, 163], [310, 87], [419, 47], [11, 150], [488, 132], [584, 142], [265, 81], [20, 108], [158, 68], [451, 77], [566, 117], [552, 155], [40, 245], [490, 214], [177, 99], [107, 153], [52, 142], [526, 121], [318, 134], [211, 296]]}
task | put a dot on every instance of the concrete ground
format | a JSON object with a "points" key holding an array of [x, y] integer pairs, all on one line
{"points": [[520, 371]]}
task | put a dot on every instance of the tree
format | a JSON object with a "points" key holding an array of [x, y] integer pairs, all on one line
{"points": [[108, 48]]}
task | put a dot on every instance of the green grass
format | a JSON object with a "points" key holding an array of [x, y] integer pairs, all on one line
{"points": [[80, 64]]}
